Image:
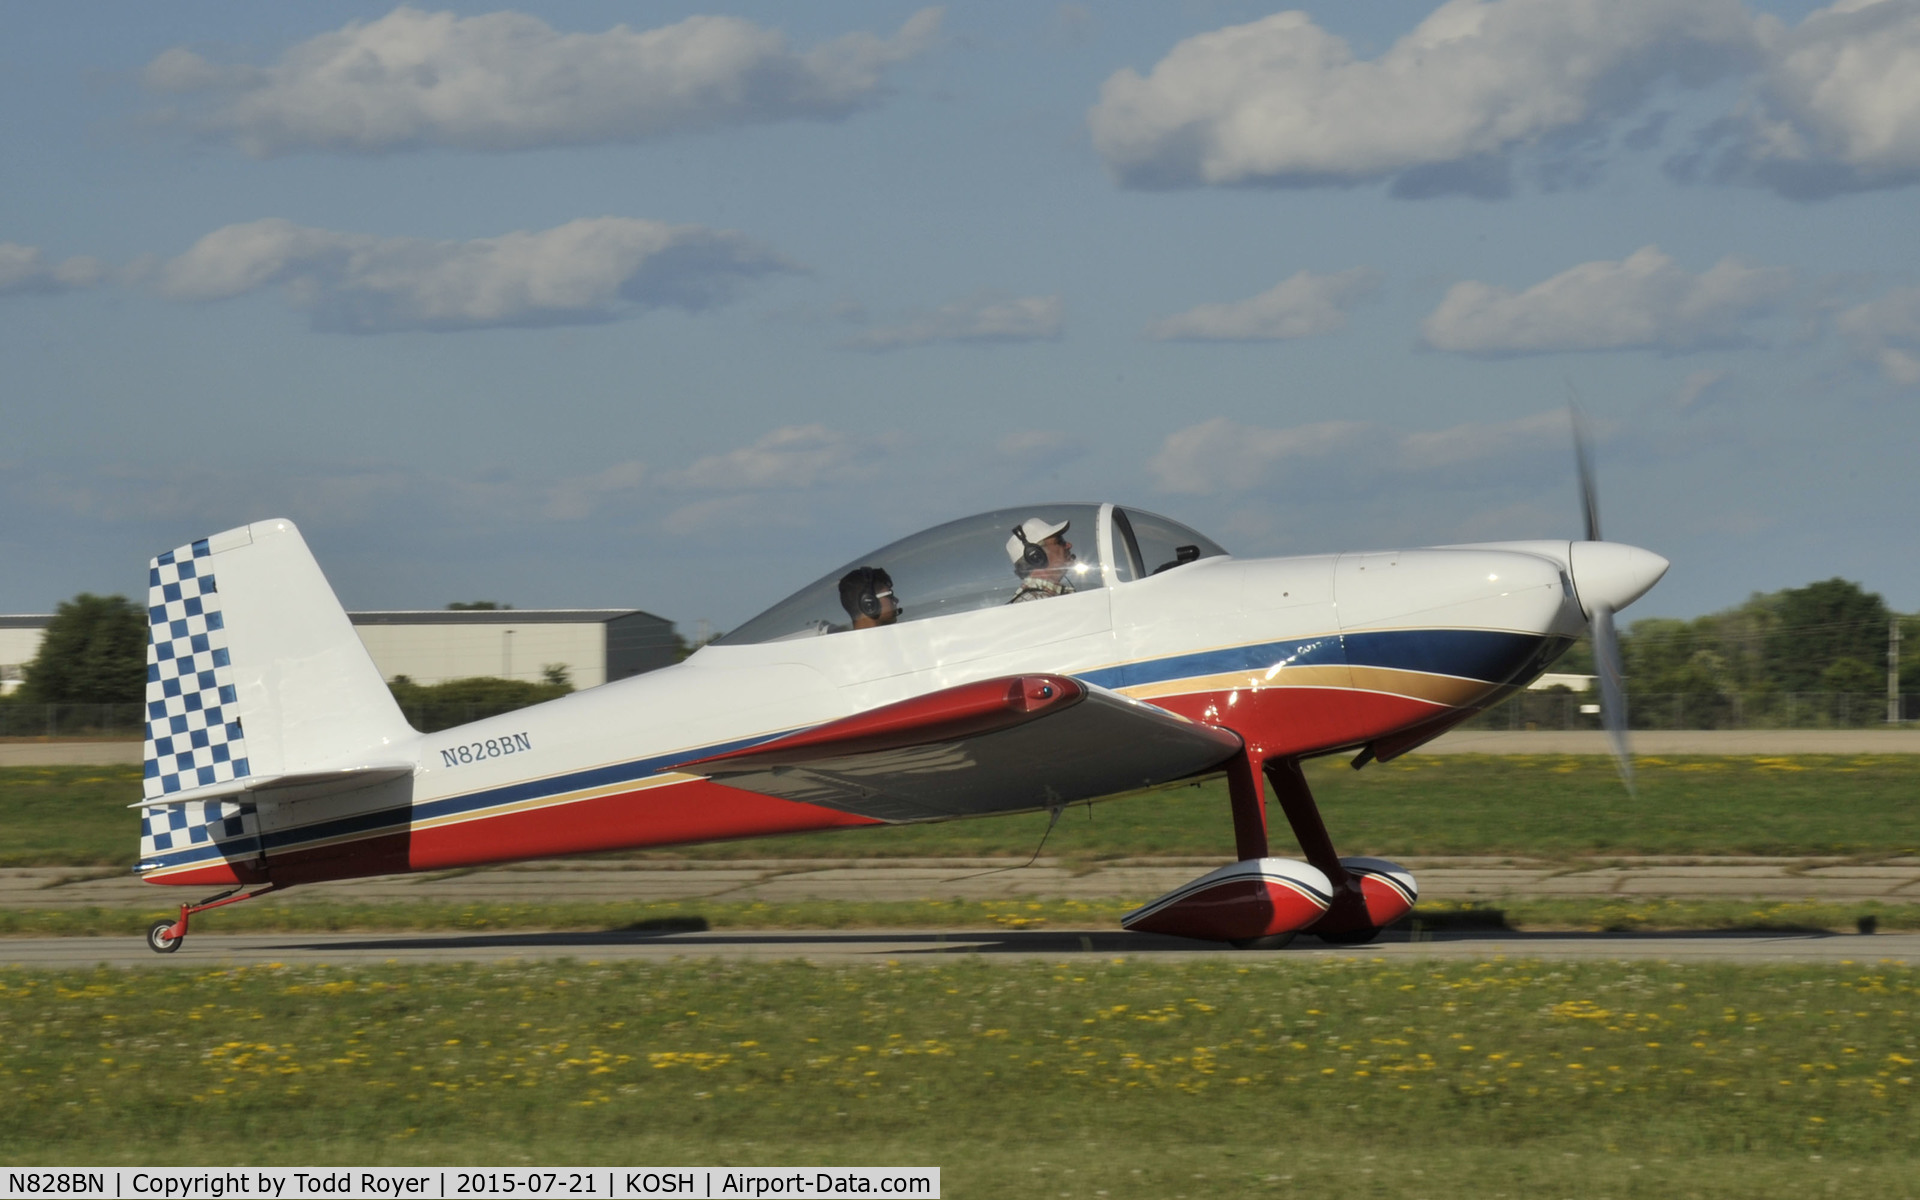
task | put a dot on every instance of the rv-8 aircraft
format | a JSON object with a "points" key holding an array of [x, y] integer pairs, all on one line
{"points": [[1020, 660]]}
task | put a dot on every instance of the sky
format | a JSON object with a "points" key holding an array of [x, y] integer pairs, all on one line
{"points": [[677, 307]]}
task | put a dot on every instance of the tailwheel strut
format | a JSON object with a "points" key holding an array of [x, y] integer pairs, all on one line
{"points": [[164, 937]]}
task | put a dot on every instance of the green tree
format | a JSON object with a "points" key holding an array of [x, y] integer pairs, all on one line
{"points": [[1852, 675], [94, 652], [430, 707], [1820, 624], [1578, 660], [1659, 656]]}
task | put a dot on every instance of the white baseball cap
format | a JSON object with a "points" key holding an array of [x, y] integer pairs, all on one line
{"points": [[1035, 530]]}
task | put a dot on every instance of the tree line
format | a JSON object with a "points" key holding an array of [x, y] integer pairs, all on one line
{"points": [[1829, 636]]}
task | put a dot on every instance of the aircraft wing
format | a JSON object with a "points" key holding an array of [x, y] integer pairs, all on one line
{"points": [[1013, 744]]}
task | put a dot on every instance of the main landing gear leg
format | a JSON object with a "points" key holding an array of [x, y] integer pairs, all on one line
{"points": [[164, 937], [1249, 807], [1347, 921], [1250, 833], [1256, 902]]}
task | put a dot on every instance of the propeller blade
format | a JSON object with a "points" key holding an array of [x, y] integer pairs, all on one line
{"points": [[1613, 692], [1589, 491]]}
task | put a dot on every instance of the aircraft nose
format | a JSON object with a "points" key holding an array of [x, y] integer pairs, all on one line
{"points": [[1613, 574]]}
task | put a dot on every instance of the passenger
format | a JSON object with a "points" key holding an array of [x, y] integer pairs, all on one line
{"points": [[1041, 556], [867, 595]]}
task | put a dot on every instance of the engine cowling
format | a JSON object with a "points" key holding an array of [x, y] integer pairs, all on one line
{"points": [[1246, 900]]}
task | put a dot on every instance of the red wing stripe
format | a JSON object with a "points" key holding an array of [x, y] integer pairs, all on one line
{"points": [[970, 710]]}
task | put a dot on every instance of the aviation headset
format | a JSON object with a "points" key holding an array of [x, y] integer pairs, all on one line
{"points": [[1033, 555], [867, 598]]}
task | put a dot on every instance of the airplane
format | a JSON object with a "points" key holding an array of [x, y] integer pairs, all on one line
{"points": [[1139, 653]]}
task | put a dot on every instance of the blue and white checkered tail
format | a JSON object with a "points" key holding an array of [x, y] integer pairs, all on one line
{"points": [[254, 673], [195, 736]]}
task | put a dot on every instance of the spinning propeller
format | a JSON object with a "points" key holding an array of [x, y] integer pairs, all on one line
{"points": [[1608, 576]]}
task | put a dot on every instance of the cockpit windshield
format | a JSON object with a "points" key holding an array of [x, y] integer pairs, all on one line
{"points": [[971, 563], [1009, 556], [1146, 544]]}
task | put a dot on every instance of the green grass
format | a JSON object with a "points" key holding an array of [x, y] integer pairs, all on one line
{"points": [[68, 816], [1551, 806], [1094, 1077], [1530, 915]]}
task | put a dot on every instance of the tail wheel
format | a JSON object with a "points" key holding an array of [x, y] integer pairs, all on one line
{"points": [[1272, 941], [160, 937]]}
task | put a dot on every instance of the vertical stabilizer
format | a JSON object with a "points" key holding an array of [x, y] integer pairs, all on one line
{"points": [[253, 668]]}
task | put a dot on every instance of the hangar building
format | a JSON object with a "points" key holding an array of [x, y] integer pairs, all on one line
{"points": [[595, 645]]}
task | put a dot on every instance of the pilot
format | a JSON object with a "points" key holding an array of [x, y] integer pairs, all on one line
{"points": [[867, 595], [1041, 556]]}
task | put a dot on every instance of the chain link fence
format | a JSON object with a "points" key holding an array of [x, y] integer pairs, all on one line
{"points": [[67, 721], [1556, 710]]}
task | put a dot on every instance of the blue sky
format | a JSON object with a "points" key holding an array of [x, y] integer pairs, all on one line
{"points": [[676, 307]]}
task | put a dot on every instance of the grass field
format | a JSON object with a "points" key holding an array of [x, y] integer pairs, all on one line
{"points": [[1533, 915], [1098, 1078], [1421, 805]]}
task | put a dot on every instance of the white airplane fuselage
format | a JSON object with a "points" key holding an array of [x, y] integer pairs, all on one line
{"points": [[1299, 656]]}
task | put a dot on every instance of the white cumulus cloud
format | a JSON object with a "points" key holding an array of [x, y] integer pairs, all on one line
{"points": [[24, 269], [1886, 331], [1696, 385], [1223, 455], [795, 456], [1303, 305], [1837, 106], [579, 497], [508, 81], [978, 320], [775, 480], [1283, 102], [1029, 447], [586, 271], [1643, 302]]}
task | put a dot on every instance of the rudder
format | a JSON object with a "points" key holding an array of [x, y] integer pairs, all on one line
{"points": [[253, 668]]}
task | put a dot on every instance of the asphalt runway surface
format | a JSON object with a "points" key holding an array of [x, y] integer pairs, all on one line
{"points": [[216, 950], [1123, 883]]}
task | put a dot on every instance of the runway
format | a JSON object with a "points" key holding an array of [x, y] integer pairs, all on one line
{"points": [[1123, 883], [215, 950]]}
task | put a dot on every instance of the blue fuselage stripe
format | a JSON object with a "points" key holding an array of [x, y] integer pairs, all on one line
{"points": [[1484, 654], [1487, 655], [400, 818]]}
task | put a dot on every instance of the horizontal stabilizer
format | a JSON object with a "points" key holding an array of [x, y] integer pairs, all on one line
{"points": [[315, 783], [1013, 744]]}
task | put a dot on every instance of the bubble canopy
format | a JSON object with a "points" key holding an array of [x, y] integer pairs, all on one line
{"points": [[968, 564]]}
